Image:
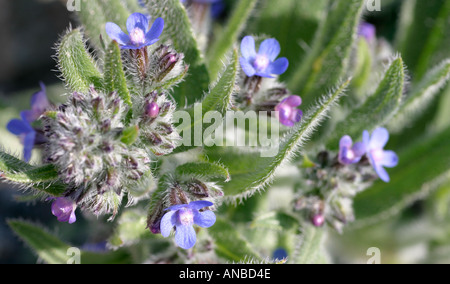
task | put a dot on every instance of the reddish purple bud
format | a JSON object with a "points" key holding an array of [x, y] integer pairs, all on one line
{"points": [[64, 209], [152, 110], [318, 220]]}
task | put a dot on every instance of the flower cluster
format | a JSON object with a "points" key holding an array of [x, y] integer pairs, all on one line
{"points": [[333, 183], [259, 90]]}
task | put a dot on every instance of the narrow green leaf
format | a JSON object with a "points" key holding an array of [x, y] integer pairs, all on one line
{"points": [[327, 61], [311, 249], [77, 67], [43, 178], [229, 36], [378, 108], [203, 169], [217, 100], [262, 171], [178, 30], [421, 96], [54, 251], [114, 75], [229, 243], [423, 34], [422, 168]]}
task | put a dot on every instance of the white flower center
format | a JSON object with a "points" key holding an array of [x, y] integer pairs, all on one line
{"points": [[261, 62], [137, 36], [186, 216], [377, 154]]}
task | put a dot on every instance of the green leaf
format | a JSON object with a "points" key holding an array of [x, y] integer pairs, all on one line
{"points": [[94, 14], [229, 243], [311, 249], [229, 35], [44, 178], [262, 170], [378, 108], [423, 35], [78, 69], [327, 61], [53, 251], [422, 168], [217, 100], [114, 75], [178, 30], [203, 169], [130, 135], [421, 95]]}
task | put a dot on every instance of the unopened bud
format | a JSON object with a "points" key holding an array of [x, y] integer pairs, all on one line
{"points": [[152, 110]]}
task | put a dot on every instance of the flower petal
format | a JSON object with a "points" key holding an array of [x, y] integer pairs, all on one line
{"points": [[247, 67], [345, 142], [28, 145], [248, 50], [279, 66], [379, 139], [167, 223], [199, 204], [204, 219], [17, 127], [185, 236], [39, 103], [390, 159], [155, 31], [116, 33], [293, 101], [137, 20], [72, 218], [359, 148], [270, 47], [382, 173]]}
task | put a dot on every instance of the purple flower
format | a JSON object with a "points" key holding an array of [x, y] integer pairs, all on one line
{"points": [[64, 209], [263, 63], [183, 217], [350, 153], [22, 127], [140, 35], [378, 157], [288, 114], [367, 31]]}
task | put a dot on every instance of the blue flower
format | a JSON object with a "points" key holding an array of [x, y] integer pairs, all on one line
{"points": [[22, 127], [263, 63], [350, 153], [140, 35], [183, 217], [378, 157]]}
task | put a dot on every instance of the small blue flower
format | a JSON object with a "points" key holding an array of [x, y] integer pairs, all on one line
{"points": [[140, 35], [350, 153], [378, 157], [280, 253], [183, 217], [263, 63], [22, 127]]}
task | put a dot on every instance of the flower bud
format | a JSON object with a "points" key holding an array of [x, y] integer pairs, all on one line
{"points": [[152, 110]]}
